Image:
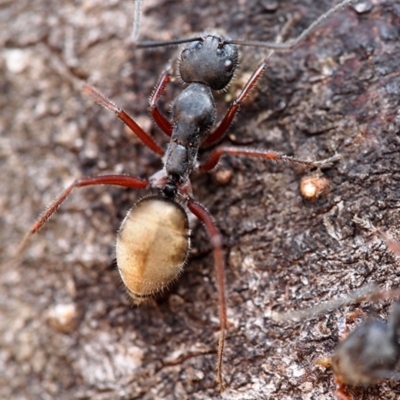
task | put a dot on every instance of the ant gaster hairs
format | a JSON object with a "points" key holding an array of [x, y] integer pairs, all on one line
{"points": [[153, 241]]}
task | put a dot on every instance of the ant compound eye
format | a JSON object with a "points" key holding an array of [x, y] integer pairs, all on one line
{"points": [[228, 65], [185, 54], [220, 52]]}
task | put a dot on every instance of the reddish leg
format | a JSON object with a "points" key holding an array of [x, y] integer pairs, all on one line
{"points": [[160, 120], [212, 161], [341, 392], [118, 180], [234, 107], [125, 118], [203, 215]]}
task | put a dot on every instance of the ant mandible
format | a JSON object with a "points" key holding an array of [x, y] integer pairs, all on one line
{"points": [[153, 240]]}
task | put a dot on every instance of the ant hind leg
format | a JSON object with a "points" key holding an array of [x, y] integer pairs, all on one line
{"points": [[118, 180]]}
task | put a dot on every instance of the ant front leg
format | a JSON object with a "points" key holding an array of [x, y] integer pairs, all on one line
{"points": [[160, 120], [204, 216], [124, 117], [118, 180], [234, 107]]}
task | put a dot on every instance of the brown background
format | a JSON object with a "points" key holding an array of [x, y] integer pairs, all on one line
{"points": [[337, 93]]}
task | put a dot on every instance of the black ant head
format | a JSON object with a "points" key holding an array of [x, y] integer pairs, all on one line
{"points": [[210, 61], [367, 355]]}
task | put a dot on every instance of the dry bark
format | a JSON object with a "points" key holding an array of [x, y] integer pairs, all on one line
{"points": [[337, 93]]}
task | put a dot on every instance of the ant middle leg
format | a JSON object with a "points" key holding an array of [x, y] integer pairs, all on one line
{"points": [[217, 153], [160, 119]]}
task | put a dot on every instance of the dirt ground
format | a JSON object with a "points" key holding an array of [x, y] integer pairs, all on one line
{"points": [[337, 93]]}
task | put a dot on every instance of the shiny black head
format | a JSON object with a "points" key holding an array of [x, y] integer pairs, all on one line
{"points": [[210, 61]]}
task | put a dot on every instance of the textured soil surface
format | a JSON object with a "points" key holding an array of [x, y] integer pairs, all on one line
{"points": [[337, 93]]}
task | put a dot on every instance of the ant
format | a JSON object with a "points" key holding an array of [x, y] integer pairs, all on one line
{"points": [[368, 354], [154, 238]]}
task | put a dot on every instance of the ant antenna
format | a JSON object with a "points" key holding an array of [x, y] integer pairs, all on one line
{"points": [[291, 44], [286, 46], [136, 20], [333, 304], [149, 44], [369, 292], [392, 244]]}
